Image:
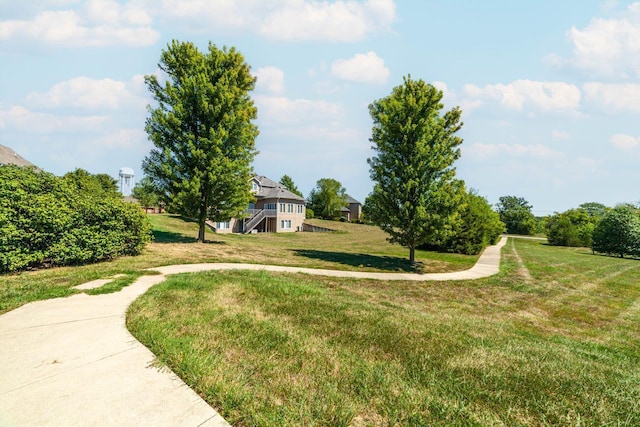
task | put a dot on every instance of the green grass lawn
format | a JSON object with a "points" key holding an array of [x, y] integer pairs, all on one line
{"points": [[552, 340], [352, 247]]}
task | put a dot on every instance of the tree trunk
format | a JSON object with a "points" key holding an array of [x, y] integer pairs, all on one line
{"points": [[412, 254], [201, 229]]}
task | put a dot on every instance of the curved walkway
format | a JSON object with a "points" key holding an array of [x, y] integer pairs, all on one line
{"points": [[72, 361]]}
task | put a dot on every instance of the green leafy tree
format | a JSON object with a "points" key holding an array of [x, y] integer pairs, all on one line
{"points": [[102, 185], [516, 214], [595, 209], [571, 228], [203, 132], [415, 197], [479, 226], [146, 193], [288, 183], [618, 233], [327, 199]]}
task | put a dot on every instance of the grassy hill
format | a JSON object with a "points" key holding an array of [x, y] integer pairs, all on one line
{"points": [[552, 340]]}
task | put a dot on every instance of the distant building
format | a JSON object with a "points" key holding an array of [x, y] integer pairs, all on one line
{"points": [[353, 210], [275, 210], [10, 157]]}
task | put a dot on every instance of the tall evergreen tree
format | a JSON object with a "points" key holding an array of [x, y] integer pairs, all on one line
{"points": [[415, 195], [203, 132], [288, 183]]}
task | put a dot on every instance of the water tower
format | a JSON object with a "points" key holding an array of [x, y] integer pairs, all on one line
{"points": [[127, 181]]}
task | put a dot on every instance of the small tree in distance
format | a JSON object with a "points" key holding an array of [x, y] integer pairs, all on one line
{"points": [[288, 183], [618, 233], [146, 193], [516, 214], [415, 195], [327, 199]]}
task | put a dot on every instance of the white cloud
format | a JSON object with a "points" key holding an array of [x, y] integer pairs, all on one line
{"points": [[270, 79], [282, 110], [543, 96], [291, 20], [24, 120], [125, 138], [84, 92], [538, 151], [341, 21], [614, 97], [609, 46], [624, 142], [363, 67], [96, 23]]}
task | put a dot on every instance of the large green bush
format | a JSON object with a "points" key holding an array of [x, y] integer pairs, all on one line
{"points": [[618, 233], [46, 220], [571, 228], [478, 226]]}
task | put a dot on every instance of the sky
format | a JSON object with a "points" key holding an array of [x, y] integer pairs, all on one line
{"points": [[550, 90]]}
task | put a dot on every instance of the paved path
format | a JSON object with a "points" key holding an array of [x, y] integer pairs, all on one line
{"points": [[72, 362]]}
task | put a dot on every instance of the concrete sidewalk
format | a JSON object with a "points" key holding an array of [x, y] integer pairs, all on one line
{"points": [[487, 265], [72, 362]]}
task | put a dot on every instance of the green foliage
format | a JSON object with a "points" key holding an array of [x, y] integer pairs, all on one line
{"points": [[327, 199], [516, 214], [618, 233], [45, 220], [100, 185], [595, 209], [146, 193], [309, 214], [571, 228], [415, 197], [203, 132], [479, 226], [288, 183]]}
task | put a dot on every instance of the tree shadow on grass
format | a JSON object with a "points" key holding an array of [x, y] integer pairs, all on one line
{"points": [[362, 260], [170, 237]]}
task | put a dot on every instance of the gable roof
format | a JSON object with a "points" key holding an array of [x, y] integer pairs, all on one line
{"points": [[351, 200], [10, 157], [270, 189]]}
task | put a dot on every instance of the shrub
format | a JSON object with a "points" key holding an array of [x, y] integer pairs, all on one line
{"points": [[618, 233], [46, 221], [571, 228], [478, 226]]}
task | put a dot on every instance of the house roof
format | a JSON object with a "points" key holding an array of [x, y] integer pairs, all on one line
{"points": [[352, 200], [10, 157], [270, 189]]}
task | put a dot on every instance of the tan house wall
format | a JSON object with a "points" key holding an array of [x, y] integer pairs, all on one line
{"points": [[234, 227], [290, 214]]}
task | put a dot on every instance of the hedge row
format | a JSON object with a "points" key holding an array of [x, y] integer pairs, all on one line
{"points": [[48, 220]]}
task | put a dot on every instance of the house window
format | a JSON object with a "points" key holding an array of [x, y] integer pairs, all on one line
{"points": [[255, 186], [282, 207], [290, 208], [222, 225], [271, 206], [300, 208], [285, 224]]}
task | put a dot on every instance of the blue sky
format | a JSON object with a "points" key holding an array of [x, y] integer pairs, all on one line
{"points": [[550, 90]]}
